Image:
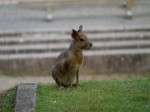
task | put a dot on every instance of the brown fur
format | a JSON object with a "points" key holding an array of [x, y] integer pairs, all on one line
{"points": [[67, 65]]}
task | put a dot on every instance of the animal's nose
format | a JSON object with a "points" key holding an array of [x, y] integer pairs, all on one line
{"points": [[91, 44]]}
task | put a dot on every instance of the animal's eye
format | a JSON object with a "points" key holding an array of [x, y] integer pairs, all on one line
{"points": [[81, 39]]}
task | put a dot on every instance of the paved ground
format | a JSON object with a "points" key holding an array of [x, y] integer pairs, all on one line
{"points": [[95, 15]]}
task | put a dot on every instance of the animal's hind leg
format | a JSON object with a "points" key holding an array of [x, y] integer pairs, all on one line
{"points": [[56, 80], [64, 85]]}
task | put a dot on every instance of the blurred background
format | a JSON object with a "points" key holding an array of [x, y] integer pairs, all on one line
{"points": [[34, 32]]}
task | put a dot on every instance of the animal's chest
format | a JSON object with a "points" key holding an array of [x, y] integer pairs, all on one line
{"points": [[75, 62], [76, 59]]}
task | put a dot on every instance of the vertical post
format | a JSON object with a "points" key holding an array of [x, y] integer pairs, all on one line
{"points": [[49, 12], [129, 8], [26, 98]]}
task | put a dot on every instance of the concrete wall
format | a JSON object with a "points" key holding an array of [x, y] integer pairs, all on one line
{"points": [[91, 65]]}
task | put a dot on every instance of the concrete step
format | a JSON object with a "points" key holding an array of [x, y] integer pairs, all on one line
{"points": [[88, 53], [38, 37], [89, 29], [49, 45], [106, 44]]}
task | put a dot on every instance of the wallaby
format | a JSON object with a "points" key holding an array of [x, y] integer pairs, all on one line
{"points": [[67, 65]]}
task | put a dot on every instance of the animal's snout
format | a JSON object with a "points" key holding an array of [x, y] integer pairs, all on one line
{"points": [[91, 44]]}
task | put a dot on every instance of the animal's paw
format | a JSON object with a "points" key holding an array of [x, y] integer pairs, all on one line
{"points": [[61, 87], [76, 85]]}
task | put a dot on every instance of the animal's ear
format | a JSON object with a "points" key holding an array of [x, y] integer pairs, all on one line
{"points": [[80, 28], [74, 34]]}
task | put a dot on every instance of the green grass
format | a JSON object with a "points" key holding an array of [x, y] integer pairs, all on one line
{"points": [[7, 100], [92, 96], [96, 96]]}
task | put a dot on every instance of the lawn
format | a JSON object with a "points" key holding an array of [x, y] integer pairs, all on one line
{"points": [[7, 100], [131, 95], [96, 96]]}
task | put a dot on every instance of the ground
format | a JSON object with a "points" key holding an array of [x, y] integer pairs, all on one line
{"points": [[132, 95], [7, 82]]}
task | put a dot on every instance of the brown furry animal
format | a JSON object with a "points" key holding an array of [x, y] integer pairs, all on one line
{"points": [[67, 65]]}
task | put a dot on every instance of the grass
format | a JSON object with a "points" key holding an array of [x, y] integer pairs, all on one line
{"points": [[96, 96], [92, 96], [7, 100]]}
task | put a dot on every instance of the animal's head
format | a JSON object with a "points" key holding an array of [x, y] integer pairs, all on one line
{"points": [[80, 39]]}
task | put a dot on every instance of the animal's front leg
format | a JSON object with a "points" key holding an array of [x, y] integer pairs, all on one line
{"points": [[77, 79]]}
